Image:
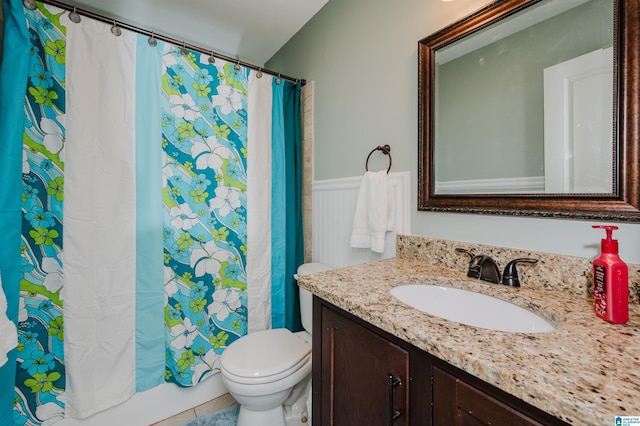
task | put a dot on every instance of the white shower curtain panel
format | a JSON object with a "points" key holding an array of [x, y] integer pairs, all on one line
{"points": [[99, 265], [259, 203], [8, 334]]}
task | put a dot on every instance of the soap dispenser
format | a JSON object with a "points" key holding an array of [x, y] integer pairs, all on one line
{"points": [[610, 281]]}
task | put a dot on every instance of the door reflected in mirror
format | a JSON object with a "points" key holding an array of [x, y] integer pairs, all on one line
{"points": [[526, 105]]}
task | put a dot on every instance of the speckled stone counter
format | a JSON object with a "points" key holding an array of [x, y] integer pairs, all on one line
{"points": [[587, 371]]}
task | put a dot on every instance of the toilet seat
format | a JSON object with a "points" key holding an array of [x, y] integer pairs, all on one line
{"points": [[265, 357]]}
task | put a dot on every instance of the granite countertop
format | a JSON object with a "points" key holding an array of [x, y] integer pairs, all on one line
{"points": [[587, 371]]}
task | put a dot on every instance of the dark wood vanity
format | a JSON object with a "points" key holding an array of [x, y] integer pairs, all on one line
{"points": [[365, 376]]}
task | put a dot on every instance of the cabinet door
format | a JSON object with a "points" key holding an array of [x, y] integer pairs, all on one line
{"points": [[364, 376], [455, 402]]}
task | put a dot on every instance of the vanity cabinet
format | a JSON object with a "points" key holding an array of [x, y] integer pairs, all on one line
{"points": [[365, 376], [456, 402]]}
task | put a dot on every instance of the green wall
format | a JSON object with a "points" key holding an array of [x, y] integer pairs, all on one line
{"points": [[362, 56]]}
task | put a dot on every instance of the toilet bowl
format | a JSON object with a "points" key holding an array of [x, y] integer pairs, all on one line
{"points": [[269, 372]]}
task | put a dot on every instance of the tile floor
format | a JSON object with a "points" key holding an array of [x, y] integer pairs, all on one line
{"points": [[199, 411]]}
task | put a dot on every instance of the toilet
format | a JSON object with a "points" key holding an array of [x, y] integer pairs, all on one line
{"points": [[269, 372]]}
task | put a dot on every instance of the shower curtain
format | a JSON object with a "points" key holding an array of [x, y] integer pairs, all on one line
{"points": [[149, 212]]}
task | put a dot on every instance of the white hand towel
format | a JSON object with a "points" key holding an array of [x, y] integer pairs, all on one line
{"points": [[8, 333], [371, 218]]}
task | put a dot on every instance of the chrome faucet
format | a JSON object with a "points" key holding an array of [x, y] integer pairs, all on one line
{"points": [[483, 267]]}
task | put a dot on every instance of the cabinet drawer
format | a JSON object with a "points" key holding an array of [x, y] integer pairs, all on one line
{"points": [[456, 402]]}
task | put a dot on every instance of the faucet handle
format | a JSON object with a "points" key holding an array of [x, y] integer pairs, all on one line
{"points": [[510, 275], [474, 268], [461, 250]]}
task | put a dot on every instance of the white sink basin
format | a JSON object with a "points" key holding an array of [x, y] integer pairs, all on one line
{"points": [[470, 308]]}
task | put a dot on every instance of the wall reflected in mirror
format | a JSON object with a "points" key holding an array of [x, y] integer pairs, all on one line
{"points": [[526, 105]]}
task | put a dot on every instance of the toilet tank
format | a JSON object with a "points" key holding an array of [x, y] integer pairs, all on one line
{"points": [[306, 297]]}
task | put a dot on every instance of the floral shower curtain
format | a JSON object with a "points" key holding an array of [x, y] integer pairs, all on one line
{"points": [[36, 122], [204, 193], [154, 213]]}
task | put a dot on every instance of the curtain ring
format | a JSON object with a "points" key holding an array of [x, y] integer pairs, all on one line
{"points": [[278, 79], [184, 50], [153, 42], [115, 29], [74, 16], [259, 73], [237, 66], [212, 59], [29, 4]]}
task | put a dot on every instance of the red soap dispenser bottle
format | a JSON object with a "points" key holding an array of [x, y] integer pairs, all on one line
{"points": [[610, 281]]}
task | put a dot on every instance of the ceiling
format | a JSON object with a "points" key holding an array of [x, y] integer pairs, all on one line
{"points": [[251, 31]]}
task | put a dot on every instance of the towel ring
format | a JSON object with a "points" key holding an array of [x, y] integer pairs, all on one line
{"points": [[386, 149]]}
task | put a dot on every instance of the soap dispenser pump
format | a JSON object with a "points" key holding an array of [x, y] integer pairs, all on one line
{"points": [[610, 281]]}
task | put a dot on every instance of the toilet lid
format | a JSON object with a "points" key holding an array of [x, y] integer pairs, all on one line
{"points": [[265, 353]]}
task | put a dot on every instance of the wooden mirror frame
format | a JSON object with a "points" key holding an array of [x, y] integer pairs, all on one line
{"points": [[622, 205]]}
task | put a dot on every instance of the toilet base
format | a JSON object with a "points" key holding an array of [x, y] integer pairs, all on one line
{"points": [[271, 417], [297, 408]]}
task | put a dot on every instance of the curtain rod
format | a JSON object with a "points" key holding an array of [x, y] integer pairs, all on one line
{"points": [[153, 34]]}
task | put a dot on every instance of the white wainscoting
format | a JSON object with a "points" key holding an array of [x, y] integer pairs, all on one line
{"points": [[334, 204], [533, 184]]}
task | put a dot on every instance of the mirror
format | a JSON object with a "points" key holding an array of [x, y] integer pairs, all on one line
{"points": [[530, 107]]}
